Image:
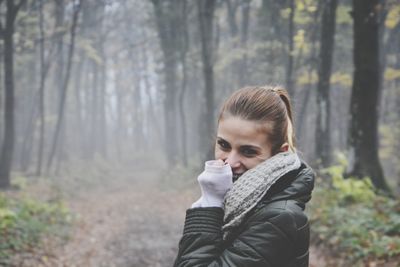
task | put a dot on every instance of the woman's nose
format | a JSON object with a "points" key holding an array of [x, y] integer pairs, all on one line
{"points": [[233, 160]]}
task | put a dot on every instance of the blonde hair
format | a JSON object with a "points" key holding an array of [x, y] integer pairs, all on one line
{"points": [[264, 104]]}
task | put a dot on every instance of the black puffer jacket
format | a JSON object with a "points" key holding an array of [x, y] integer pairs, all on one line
{"points": [[274, 234]]}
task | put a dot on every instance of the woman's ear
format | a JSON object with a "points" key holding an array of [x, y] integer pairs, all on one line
{"points": [[284, 147]]}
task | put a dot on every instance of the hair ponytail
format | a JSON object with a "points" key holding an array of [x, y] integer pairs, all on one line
{"points": [[290, 135]]}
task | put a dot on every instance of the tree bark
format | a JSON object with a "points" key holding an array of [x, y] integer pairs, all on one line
{"points": [[9, 117], [289, 68], [364, 107], [206, 15], [323, 129]]}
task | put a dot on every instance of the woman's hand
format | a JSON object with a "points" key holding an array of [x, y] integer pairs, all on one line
{"points": [[214, 181]]}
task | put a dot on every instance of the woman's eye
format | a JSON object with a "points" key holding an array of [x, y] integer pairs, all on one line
{"points": [[223, 145], [248, 152]]}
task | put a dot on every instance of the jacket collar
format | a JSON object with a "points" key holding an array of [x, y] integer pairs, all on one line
{"points": [[296, 185]]}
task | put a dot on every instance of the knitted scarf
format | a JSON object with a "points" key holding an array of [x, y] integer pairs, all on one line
{"points": [[252, 186]]}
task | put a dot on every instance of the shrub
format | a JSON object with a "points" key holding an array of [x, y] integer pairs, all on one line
{"points": [[352, 220], [24, 221]]}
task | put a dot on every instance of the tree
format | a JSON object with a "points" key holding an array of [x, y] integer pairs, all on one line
{"points": [[289, 68], [44, 67], [61, 107], [243, 73], [184, 46], [167, 20], [239, 67], [7, 32], [364, 106], [323, 129], [206, 14]]}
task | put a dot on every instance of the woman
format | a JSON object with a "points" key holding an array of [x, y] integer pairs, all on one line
{"points": [[250, 212]]}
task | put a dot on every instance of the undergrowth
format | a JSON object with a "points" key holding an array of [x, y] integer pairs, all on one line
{"points": [[353, 221], [24, 221]]}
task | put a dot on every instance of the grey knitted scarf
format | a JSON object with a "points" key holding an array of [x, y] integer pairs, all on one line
{"points": [[252, 186]]}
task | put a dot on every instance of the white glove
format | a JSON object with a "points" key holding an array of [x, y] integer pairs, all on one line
{"points": [[214, 181]]}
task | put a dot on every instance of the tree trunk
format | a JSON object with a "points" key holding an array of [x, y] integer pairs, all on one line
{"points": [[78, 87], [59, 55], [41, 92], [103, 101], [364, 106], [206, 15], [243, 73], [94, 112], [182, 57], [120, 133], [65, 86], [323, 129], [27, 143], [273, 30], [381, 45], [7, 149], [154, 123], [312, 65], [167, 20], [102, 70], [289, 68], [137, 100], [232, 7], [28, 121]]}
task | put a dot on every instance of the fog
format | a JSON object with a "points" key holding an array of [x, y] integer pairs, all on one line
{"points": [[106, 94]]}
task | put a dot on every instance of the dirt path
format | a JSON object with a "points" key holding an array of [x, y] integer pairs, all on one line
{"points": [[133, 222]]}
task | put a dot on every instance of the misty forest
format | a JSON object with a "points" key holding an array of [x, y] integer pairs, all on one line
{"points": [[108, 110]]}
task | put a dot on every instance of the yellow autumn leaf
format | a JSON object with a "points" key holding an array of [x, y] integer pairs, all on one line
{"points": [[344, 79], [343, 15], [285, 13], [300, 6], [393, 17], [311, 9], [307, 78], [392, 74]]}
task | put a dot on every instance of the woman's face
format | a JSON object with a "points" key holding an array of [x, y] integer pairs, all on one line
{"points": [[241, 143]]}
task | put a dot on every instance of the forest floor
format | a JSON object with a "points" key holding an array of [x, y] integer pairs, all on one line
{"points": [[132, 219]]}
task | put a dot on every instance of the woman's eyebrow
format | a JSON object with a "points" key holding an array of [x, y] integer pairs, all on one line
{"points": [[251, 146], [219, 138]]}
